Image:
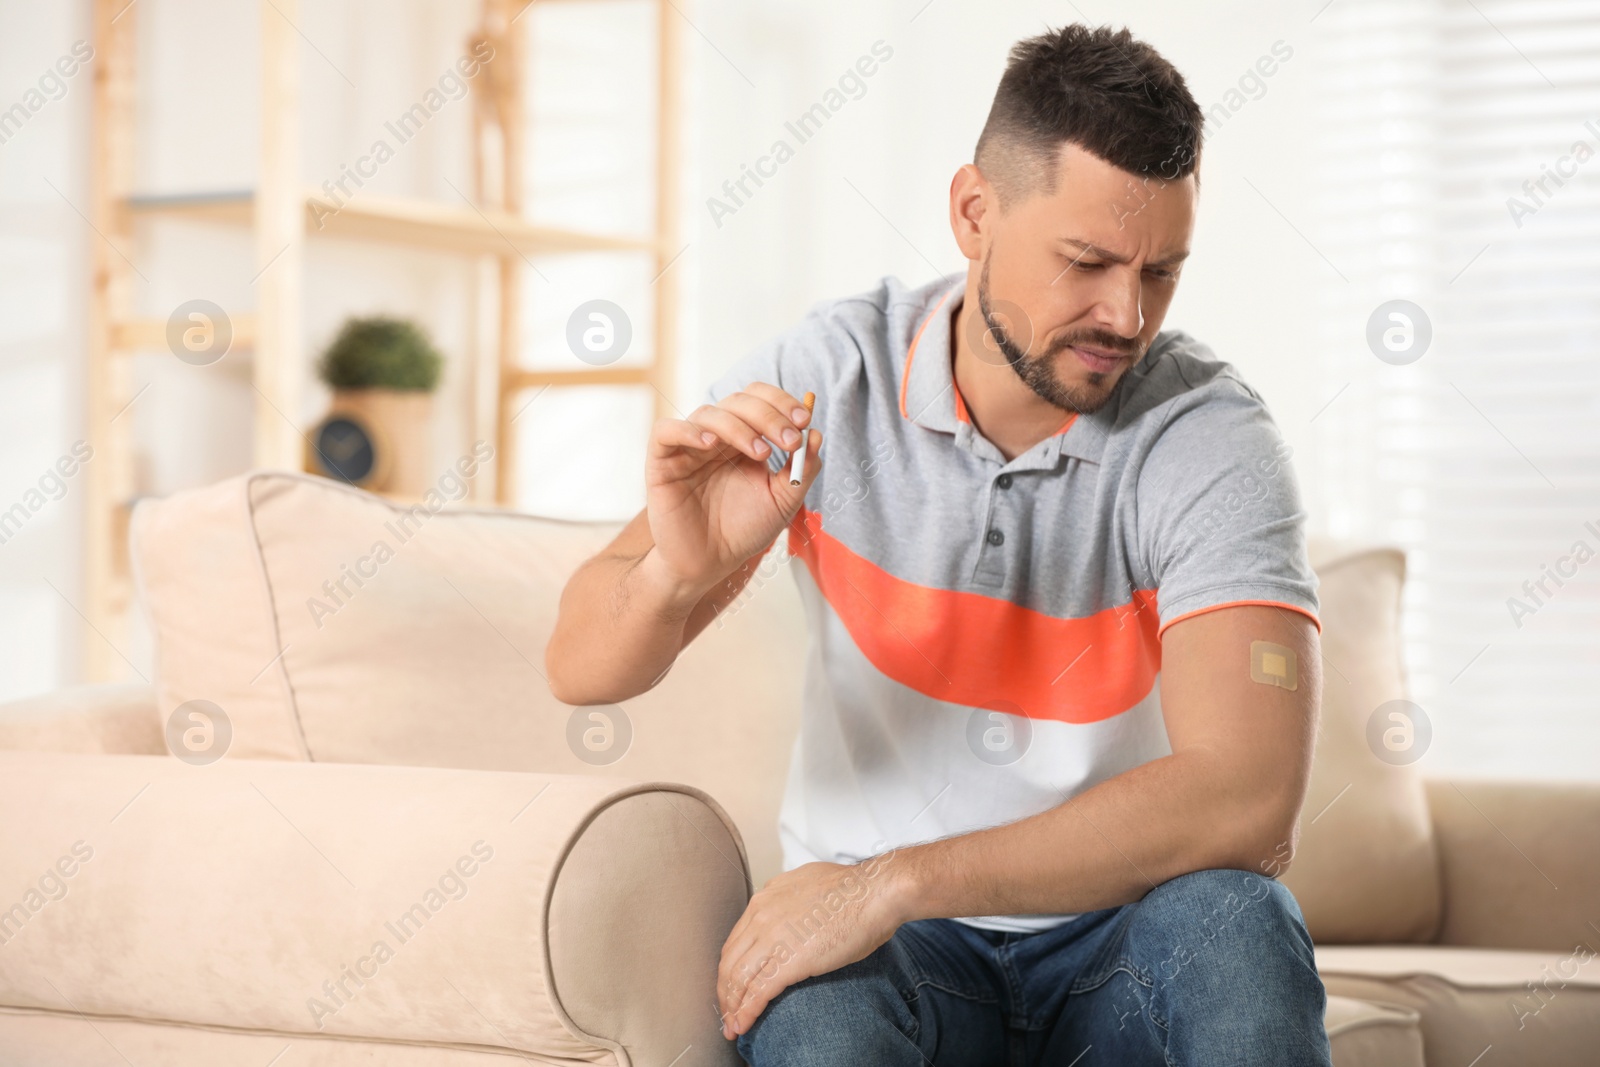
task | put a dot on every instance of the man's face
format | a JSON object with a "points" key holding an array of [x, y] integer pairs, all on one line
{"points": [[1075, 283]]}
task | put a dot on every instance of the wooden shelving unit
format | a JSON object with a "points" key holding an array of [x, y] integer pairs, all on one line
{"points": [[282, 213]]}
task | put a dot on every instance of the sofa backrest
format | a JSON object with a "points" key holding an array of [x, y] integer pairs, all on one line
{"points": [[333, 625], [1367, 867]]}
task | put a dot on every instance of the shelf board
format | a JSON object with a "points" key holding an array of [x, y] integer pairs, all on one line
{"points": [[527, 379], [142, 335], [464, 230]]}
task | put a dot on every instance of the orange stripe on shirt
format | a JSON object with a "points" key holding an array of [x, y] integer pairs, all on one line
{"points": [[905, 374], [961, 402], [980, 651], [1240, 604]]}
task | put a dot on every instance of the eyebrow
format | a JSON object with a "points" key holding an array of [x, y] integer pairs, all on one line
{"points": [[1091, 248]]}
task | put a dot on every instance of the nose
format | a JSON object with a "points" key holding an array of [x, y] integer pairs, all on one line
{"points": [[1118, 308]]}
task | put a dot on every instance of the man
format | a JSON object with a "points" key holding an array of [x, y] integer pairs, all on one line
{"points": [[1063, 677]]}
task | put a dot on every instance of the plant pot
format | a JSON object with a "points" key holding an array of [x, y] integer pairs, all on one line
{"points": [[399, 425]]}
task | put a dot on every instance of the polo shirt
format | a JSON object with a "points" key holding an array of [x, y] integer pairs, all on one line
{"points": [[984, 634]]}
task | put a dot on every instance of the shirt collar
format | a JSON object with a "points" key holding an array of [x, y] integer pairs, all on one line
{"points": [[929, 398]]}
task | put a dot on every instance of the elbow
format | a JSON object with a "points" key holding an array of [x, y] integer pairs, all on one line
{"points": [[567, 680], [554, 677], [558, 674], [1260, 836], [563, 664], [1271, 851]]}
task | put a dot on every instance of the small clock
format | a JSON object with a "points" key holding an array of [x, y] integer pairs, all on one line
{"points": [[347, 448]]}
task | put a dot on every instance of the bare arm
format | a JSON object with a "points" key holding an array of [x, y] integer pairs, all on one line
{"points": [[712, 510], [624, 618], [1228, 796]]}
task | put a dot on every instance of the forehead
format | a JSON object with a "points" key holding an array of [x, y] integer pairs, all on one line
{"points": [[1112, 208]]}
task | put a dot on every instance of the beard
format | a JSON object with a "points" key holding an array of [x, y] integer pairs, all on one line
{"points": [[1038, 372]]}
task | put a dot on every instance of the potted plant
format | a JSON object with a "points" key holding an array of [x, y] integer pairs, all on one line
{"points": [[376, 435]]}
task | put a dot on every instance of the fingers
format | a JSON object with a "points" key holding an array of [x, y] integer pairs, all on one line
{"points": [[795, 492], [732, 428], [780, 401], [759, 995], [745, 986], [760, 415], [731, 981], [669, 434], [727, 997], [758, 411], [813, 454], [746, 420]]}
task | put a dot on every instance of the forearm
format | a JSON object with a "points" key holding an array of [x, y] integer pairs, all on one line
{"points": [[623, 620], [620, 624], [1108, 846]]}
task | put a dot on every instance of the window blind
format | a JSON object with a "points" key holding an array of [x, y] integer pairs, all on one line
{"points": [[1458, 168]]}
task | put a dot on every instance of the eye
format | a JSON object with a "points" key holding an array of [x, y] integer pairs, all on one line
{"points": [[1162, 275], [1078, 264]]}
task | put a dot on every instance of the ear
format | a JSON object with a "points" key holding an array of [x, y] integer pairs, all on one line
{"points": [[973, 211]]}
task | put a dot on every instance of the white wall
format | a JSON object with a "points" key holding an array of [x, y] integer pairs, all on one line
{"points": [[865, 197], [43, 259]]}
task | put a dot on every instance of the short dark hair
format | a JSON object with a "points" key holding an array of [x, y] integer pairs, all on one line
{"points": [[1100, 89]]}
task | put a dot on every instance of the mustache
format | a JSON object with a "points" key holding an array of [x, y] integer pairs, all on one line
{"points": [[1110, 342]]}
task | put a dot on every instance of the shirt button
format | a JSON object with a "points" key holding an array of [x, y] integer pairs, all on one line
{"points": [[1004, 481], [996, 537]]}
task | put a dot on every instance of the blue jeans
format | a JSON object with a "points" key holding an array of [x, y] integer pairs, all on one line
{"points": [[1212, 968]]}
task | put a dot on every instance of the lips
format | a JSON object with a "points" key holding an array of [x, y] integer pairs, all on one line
{"points": [[1098, 359]]}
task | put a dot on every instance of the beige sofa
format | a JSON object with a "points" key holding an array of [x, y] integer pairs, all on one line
{"points": [[410, 853]]}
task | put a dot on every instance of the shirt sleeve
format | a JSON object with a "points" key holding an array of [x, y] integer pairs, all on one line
{"points": [[1219, 514]]}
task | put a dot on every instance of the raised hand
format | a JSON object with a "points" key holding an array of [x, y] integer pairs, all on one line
{"points": [[711, 500]]}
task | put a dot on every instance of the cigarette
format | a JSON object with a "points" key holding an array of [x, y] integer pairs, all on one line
{"points": [[797, 473]]}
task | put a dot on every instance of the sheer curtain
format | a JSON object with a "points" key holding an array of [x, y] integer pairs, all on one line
{"points": [[1458, 170]]}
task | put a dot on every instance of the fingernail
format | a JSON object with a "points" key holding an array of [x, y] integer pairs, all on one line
{"points": [[760, 447], [799, 414], [708, 437], [791, 438]]}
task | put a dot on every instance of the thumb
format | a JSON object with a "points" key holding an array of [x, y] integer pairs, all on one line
{"points": [[794, 495]]}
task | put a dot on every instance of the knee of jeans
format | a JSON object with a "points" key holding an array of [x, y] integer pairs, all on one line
{"points": [[1228, 912], [821, 1018]]}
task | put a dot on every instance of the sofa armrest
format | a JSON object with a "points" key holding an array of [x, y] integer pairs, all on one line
{"points": [[1519, 863], [560, 917], [116, 719]]}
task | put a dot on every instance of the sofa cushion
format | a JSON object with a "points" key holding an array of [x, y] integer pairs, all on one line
{"points": [[1535, 843], [112, 717], [198, 572], [1366, 868], [78, 1041], [331, 624], [1534, 1009], [1361, 1034]]}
